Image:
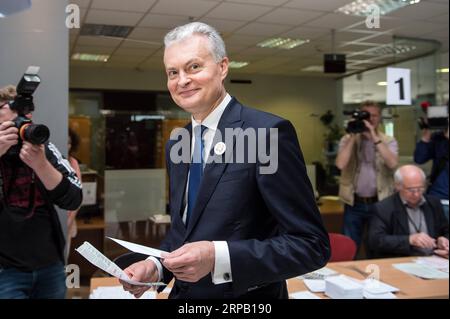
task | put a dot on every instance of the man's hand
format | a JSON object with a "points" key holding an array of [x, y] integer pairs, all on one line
{"points": [[422, 240], [192, 261], [143, 271], [372, 133], [33, 156], [442, 247], [8, 136]]}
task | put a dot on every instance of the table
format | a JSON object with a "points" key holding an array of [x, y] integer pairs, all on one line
{"points": [[410, 286]]}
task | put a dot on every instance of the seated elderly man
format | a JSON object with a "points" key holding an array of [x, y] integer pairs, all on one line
{"points": [[408, 223]]}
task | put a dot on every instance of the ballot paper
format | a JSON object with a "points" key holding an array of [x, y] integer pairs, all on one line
{"points": [[422, 271], [99, 260], [343, 287], [387, 295], [436, 262], [303, 295], [139, 248], [117, 292], [315, 285], [375, 287]]}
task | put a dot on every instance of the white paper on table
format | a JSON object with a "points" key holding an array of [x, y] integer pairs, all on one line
{"points": [[434, 262], [99, 260], [139, 248], [387, 295], [304, 295], [315, 285], [373, 286], [421, 271]]}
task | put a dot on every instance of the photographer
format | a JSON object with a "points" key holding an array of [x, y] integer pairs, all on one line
{"points": [[367, 159], [435, 147], [32, 180]]}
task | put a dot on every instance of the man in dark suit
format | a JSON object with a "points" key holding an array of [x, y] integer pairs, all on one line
{"points": [[408, 223], [239, 228]]}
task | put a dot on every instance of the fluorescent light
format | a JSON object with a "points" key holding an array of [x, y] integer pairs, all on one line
{"points": [[382, 83], [282, 43], [90, 57], [313, 68], [365, 7], [237, 64], [443, 70]]}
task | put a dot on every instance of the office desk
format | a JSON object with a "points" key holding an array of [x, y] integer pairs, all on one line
{"points": [[410, 286]]}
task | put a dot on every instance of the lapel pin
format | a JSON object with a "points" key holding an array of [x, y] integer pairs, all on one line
{"points": [[220, 148]]}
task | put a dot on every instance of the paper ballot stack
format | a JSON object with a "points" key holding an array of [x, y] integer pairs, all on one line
{"points": [[342, 287]]}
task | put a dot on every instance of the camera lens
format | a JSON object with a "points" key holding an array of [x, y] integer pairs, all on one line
{"points": [[36, 133]]}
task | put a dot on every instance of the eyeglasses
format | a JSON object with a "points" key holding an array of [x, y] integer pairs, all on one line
{"points": [[413, 190]]}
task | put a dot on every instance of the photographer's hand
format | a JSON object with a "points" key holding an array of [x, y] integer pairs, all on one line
{"points": [[8, 136], [372, 134], [34, 157]]}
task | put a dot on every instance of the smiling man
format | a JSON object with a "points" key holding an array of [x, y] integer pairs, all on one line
{"points": [[235, 232]]}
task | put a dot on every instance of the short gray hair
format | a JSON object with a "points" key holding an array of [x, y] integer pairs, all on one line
{"points": [[398, 177], [185, 31]]}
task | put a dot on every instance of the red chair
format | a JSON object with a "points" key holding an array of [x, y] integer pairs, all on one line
{"points": [[343, 248]]}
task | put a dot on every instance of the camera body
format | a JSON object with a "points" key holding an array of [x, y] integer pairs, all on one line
{"points": [[436, 119], [23, 104], [357, 125]]}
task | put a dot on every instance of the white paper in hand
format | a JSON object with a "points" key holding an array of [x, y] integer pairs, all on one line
{"points": [[139, 248], [99, 260]]}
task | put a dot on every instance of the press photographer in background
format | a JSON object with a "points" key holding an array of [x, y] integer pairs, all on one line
{"points": [[367, 159], [434, 146], [33, 177]]}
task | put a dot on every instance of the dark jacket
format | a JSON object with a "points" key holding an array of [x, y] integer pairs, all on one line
{"points": [[388, 234], [15, 249], [271, 222]]}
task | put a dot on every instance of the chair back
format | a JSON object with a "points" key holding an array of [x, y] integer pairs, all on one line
{"points": [[343, 248]]}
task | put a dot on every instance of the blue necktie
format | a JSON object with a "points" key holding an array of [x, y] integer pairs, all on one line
{"points": [[195, 170]]}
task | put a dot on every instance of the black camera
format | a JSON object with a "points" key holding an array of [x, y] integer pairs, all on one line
{"points": [[436, 119], [357, 126], [23, 104]]}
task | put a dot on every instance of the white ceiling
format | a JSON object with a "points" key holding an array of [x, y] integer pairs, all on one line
{"points": [[243, 23]]}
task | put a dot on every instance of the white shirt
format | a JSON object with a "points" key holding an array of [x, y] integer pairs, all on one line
{"points": [[222, 264]]}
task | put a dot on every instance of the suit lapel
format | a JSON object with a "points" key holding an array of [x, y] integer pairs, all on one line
{"points": [[402, 217], [231, 118], [428, 214], [178, 183]]}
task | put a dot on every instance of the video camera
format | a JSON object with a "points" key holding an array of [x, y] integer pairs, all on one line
{"points": [[23, 104], [357, 126], [436, 119]]}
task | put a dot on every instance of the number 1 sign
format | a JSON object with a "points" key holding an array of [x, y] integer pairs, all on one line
{"points": [[398, 86]]}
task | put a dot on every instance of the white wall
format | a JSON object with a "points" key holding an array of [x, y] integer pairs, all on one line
{"points": [[293, 98]]}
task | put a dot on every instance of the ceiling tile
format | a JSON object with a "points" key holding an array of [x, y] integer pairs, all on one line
{"points": [[113, 17], [98, 41], [290, 16], [272, 3], [121, 5], [93, 49], [154, 35], [81, 3], [328, 5], [238, 11], [163, 21], [305, 33], [134, 51], [334, 21], [222, 25], [263, 29], [191, 8], [421, 11]]}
